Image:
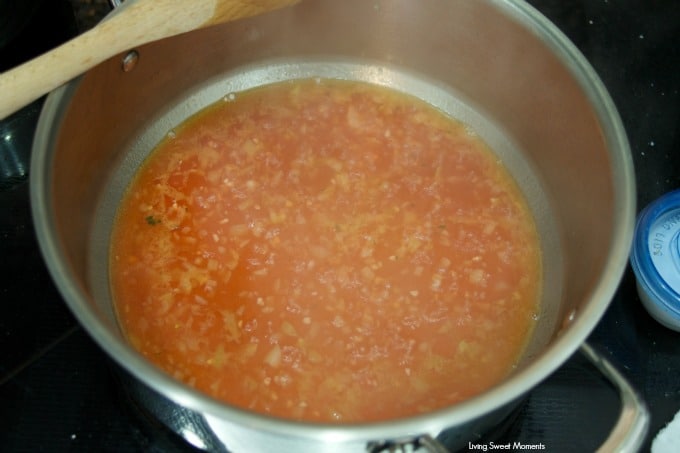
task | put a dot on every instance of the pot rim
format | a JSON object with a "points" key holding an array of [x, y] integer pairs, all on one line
{"points": [[580, 326]]}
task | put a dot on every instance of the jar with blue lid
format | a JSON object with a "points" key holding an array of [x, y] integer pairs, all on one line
{"points": [[655, 259]]}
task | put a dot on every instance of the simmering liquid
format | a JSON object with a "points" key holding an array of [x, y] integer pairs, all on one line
{"points": [[327, 251]]}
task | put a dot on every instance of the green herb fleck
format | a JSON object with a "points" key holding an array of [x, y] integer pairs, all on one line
{"points": [[151, 220]]}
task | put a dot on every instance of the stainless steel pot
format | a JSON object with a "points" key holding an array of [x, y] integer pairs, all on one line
{"points": [[498, 65]]}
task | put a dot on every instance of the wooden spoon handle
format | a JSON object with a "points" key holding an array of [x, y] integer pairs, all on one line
{"points": [[138, 22]]}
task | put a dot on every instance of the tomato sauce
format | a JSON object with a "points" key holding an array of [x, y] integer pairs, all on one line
{"points": [[327, 251]]}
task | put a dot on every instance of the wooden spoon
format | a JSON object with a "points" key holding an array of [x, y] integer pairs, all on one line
{"points": [[137, 22]]}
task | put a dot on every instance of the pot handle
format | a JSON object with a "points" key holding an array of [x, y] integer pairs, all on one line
{"points": [[424, 443], [631, 427], [626, 437]]}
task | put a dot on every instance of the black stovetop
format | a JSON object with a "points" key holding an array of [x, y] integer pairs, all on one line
{"points": [[60, 392]]}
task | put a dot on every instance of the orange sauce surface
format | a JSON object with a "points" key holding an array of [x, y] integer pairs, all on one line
{"points": [[327, 251]]}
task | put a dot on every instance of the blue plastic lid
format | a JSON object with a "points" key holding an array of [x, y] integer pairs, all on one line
{"points": [[655, 259]]}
